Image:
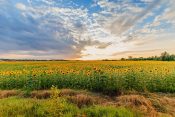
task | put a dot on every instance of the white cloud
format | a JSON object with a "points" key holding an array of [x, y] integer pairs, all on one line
{"points": [[20, 6]]}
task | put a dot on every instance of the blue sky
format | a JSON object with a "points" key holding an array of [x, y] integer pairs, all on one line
{"points": [[86, 29]]}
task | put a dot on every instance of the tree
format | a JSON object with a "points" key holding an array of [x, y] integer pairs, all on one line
{"points": [[164, 56], [130, 57], [122, 59], [172, 57]]}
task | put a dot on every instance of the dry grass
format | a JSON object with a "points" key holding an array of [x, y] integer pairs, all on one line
{"points": [[165, 105], [40, 94], [68, 92], [168, 101], [137, 102], [8, 93], [81, 100]]}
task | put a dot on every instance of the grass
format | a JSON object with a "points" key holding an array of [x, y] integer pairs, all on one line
{"points": [[83, 103], [56, 106], [34, 108]]}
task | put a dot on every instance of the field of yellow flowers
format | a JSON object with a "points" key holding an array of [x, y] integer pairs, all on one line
{"points": [[98, 76]]}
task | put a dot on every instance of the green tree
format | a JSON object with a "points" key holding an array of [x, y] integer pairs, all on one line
{"points": [[165, 56]]}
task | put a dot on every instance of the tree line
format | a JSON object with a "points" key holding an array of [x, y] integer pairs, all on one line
{"points": [[165, 56]]}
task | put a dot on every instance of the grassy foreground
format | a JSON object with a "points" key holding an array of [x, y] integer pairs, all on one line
{"points": [[15, 107], [57, 106], [80, 103]]}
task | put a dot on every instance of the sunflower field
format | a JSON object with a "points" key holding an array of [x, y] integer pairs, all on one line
{"points": [[99, 76]]}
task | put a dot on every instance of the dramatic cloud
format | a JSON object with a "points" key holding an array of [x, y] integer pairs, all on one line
{"points": [[94, 29]]}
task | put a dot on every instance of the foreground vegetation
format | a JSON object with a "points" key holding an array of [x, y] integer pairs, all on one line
{"points": [[13, 107], [56, 106], [80, 103]]}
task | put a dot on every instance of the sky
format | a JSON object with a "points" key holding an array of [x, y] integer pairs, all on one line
{"points": [[86, 29]]}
